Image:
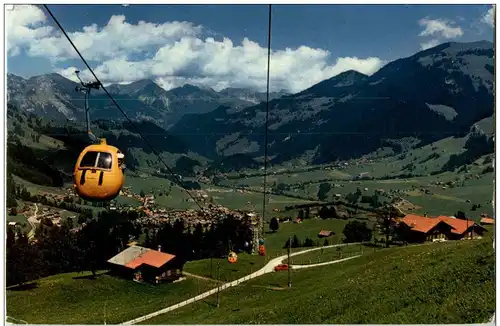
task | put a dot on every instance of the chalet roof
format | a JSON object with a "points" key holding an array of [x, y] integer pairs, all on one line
{"points": [[152, 258], [425, 224], [127, 255], [134, 256], [459, 226], [420, 223]]}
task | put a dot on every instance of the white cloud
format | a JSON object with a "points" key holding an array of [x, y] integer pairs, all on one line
{"points": [[430, 44], [221, 64], [23, 25], [488, 17], [117, 38], [440, 28], [175, 53]]}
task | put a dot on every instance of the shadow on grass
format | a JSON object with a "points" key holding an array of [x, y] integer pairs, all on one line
{"points": [[23, 287], [372, 245], [211, 304], [90, 276]]}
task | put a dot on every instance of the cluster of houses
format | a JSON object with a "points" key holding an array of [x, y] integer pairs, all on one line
{"points": [[45, 212], [68, 192], [191, 217]]}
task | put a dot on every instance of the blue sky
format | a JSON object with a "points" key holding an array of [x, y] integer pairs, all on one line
{"points": [[358, 32]]}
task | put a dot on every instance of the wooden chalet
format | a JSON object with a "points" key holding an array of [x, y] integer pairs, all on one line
{"points": [[146, 265], [415, 228]]}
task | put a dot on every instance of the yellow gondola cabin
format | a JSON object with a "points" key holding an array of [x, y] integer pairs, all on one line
{"points": [[98, 174]]}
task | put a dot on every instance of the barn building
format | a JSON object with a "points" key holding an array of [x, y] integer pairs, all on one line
{"points": [[146, 265]]}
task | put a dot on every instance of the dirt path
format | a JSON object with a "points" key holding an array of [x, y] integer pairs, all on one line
{"points": [[324, 263], [13, 320], [201, 277]]}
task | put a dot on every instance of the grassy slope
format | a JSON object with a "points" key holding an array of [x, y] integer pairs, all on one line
{"points": [[61, 299], [330, 254], [439, 283]]}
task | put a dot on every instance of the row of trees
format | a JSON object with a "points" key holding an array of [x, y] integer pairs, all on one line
{"points": [[307, 243], [58, 249], [201, 242]]}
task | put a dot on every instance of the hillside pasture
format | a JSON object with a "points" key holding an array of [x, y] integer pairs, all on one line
{"points": [[73, 298], [451, 282]]}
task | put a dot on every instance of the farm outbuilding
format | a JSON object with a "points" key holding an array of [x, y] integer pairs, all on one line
{"points": [[487, 221], [144, 264], [325, 233]]}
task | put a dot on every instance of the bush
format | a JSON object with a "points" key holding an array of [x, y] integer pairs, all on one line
{"points": [[356, 231]]}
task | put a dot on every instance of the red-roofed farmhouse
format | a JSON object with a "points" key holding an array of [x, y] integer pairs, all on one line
{"points": [[415, 228], [144, 264]]}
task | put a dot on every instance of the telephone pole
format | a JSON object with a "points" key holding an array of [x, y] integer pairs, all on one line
{"points": [[289, 262], [218, 283]]}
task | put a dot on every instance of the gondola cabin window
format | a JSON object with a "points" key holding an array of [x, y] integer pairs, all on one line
{"points": [[99, 160]]}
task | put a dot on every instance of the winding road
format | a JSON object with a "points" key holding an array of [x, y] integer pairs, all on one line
{"points": [[268, 268], [32, 221]]}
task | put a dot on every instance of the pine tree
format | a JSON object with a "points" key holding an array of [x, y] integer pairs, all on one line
{"points": [[274, 224]]}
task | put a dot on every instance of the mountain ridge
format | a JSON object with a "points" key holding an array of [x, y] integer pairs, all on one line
{"points": [[447, 88], [431, 94], [54, 95]]}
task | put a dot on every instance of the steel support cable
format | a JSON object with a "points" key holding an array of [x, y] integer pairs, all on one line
{"points": [[120, 109]]}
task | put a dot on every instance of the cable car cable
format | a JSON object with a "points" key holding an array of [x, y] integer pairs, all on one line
{"points": [[119, 108], [261, 226]]}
